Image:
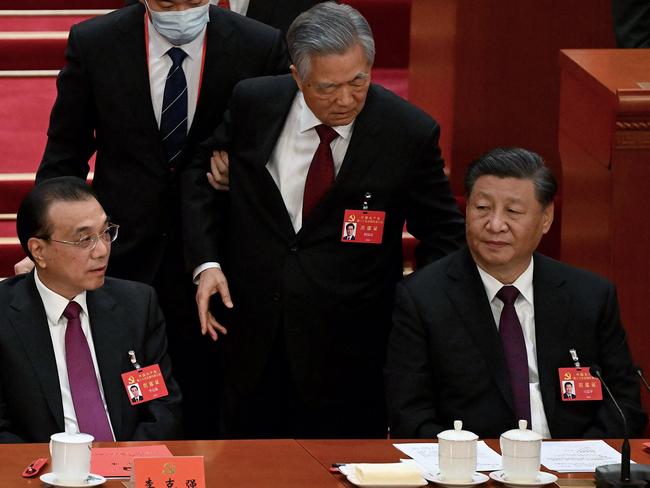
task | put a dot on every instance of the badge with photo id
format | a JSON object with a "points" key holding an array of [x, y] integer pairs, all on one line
{"points": [[363, 226], [144, 384], [577, 384]]}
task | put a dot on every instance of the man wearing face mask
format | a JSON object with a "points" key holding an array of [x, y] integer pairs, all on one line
{"points": [[142, 87], [276, 13]]}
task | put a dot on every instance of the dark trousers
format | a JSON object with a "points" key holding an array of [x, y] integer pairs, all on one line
{"points": [[275, 409]]}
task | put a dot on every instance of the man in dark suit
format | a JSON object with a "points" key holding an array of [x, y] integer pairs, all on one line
{"points": [[568, 391], [306, 337], [500, 320], [110, 101], [66, 331]]}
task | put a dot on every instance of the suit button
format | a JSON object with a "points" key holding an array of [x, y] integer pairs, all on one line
{"points": [[164, 235], [276, 297], [294, 249]]}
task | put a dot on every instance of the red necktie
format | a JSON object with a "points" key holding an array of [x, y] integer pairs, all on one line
{"points": [[514, 347], [86, 398], [224, 4], [321, 170]]}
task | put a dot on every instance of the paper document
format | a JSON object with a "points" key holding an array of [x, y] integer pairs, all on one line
{"points": [[578, 456], [426, 455], [115, 462]]}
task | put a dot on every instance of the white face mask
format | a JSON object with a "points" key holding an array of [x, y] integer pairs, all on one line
{"points": [[180, 26]]}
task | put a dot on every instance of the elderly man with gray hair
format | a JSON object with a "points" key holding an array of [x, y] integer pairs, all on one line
{"points": [[308, 312]]}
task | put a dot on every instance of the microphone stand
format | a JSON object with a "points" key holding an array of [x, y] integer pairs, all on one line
{"points": [[620, 475]]}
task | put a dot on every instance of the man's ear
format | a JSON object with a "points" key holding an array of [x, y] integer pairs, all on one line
{"points": [[296, 76], [547, 217], [36, 247]]}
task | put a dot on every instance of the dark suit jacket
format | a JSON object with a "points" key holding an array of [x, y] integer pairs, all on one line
{"points": [[124, 316], [631, 23], [446, 362], [332, 299], [104, 105]]}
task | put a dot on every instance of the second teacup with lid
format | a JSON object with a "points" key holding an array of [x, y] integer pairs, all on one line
{"points": [[457, 454], [520, 450]]}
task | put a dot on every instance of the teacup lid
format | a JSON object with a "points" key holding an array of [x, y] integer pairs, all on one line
{"points": [[522, 433], [457, 433]]}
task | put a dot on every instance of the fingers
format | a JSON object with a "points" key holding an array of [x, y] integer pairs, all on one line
{"points": [[24, 266], [219, 166], [212, 281], [214, 184]]}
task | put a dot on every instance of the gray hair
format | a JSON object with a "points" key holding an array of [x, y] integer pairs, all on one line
{"points": [[328, 28]]}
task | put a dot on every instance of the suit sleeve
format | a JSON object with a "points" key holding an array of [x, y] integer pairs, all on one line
{"points": [[631, 23], [162, 419], [70, 136], [6, 436], [203, 207], [616, 364], [409, 376], [432, 215]]}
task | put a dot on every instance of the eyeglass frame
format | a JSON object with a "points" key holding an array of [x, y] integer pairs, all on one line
{"points": [[94, 238]]}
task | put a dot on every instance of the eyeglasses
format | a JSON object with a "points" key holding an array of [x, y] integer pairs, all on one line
{"points": [[88, 243]]}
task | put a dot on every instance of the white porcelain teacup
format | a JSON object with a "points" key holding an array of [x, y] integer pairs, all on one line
{"points": [[71, 456], [520, 451], [457, 454]]}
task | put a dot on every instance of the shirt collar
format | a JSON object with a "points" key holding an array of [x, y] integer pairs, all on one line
{"points": [[158, 45], [54, 303], [524, 283], [308, 120]]}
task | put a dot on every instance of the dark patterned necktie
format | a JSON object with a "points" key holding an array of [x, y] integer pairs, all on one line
{"points": [[173, 120], [321, 171], [514, 347], [86, 398]]}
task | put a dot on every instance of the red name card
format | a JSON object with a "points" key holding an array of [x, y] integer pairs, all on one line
{"points": [[169, 472], [115, 462]]}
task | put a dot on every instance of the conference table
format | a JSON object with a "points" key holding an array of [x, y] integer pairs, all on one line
{"points": [[268, 463]]}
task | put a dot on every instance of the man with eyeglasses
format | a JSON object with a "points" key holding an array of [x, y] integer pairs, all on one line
{"points": [[67, 332]]}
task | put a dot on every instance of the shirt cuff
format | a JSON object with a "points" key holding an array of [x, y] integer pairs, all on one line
{"points": [[200, 269]]}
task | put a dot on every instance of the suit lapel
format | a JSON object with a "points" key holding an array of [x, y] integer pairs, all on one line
{"points": [[272, 203], [551, 307], [468, 296], [133, 58], [103, 312], [359, 157], [218, 62], [27, 315]]}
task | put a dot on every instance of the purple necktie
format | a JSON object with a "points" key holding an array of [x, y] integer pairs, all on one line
{"points": [[514, 347], [321, 170], [87, 400]]}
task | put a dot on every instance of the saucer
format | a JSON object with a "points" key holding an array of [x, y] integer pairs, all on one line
{"points": [[91, 480], [543, 478], [477, 479]]}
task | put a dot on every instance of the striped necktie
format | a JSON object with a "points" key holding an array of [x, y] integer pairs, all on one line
{"points": [[173, 120]]}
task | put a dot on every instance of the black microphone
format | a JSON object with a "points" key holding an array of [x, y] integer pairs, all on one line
{"points": [[619, 475], [637, 369]]}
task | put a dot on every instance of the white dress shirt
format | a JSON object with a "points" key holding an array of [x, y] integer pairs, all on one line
{"points": [[525, 308], [54, 305], [160, 64], [294, 151]]}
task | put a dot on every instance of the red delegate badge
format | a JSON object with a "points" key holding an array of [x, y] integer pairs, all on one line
{"points": [[144, 384], [577, 384], [363, 226]]}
